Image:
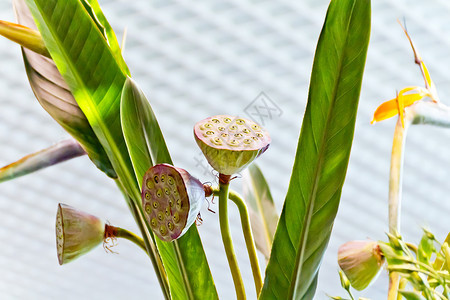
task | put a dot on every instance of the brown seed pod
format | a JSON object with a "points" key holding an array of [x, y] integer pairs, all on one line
{"points": [[230, 143], [171, 199]]}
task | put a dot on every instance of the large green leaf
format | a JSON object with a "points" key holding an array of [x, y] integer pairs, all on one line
{"points": [[263, 214], [55, 97], [323, 152], [185, 259]]}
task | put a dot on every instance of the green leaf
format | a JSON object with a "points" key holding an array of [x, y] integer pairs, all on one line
{"points": [[184, 259], [263, 214], [410, 295], [55, 97], [425, 249], [323, 152], [103, 25]]}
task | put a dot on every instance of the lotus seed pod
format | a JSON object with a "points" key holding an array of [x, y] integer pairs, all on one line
{"points": [[361, 261], [230, 143], [76, 233], [171, 199]]}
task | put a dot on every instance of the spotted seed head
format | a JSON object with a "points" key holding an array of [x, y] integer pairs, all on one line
{"points": [[361, 261], [76, 233], [171, 199], [230, 143]]}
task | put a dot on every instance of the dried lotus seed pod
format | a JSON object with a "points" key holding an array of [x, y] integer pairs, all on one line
{"points": [[361, 261], [171, 199], [230, 143], [76, 233]]}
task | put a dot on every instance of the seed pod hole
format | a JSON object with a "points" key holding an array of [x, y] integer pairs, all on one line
{"points": [[166, 191], [147, 196], [148, 208], [159, 193], [170, 226], [163, 178]]}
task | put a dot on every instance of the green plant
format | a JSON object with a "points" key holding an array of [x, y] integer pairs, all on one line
{"points": [[77, 56]]}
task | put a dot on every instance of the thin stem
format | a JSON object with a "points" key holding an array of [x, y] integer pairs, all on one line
{"points": [[395, 192], [119, 232], [137, 213], [248, 236], [226, 236]]}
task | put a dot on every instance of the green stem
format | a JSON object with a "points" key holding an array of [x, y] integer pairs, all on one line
{"points": [[119, 232], [150, 247], [248, 236], [226, 236]]}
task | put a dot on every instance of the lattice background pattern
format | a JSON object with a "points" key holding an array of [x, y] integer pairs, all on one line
{"points": [[200, 58]]}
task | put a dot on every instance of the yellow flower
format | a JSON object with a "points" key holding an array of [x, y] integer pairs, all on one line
{"points": [[409, 95]]}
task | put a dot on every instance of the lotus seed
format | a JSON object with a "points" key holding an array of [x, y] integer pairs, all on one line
{"points": [[221, 128], [148, 208], [154, 222], [207, 125], [259, 135], [170, 202], [156, 179], [163, 177], [159, 193], [163, 230], [155, 204], [224, 134], [176, 217], [170, 226], [227, 120], [238, 135], [166, 191], [247, 141], [217, 141], [147, 195], [171, 180], [160, 216], [210, 132], [168, 211], [240, 121], [255, 127], [233, 127], [245, 130], [215, 120]]}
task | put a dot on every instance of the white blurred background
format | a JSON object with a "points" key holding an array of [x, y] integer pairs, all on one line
{"points": [[199, 58]]}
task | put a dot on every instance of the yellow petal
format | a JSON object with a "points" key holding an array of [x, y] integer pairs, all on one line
{"points": [[391, 108]]}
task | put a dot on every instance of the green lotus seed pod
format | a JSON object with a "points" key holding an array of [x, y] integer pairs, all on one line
{"points": [[76, 233], [171, 199], [230, 143], [361, 261]]}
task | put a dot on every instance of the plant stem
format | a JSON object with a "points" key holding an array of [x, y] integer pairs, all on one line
{"points": [[395, 192], [137, 213], [119, 232], [224, 183], [248, 236]]}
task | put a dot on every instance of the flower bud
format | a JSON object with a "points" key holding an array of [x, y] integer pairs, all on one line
{"points": [[360, 261], [230, 143], [76, 233], [171, 199]]}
